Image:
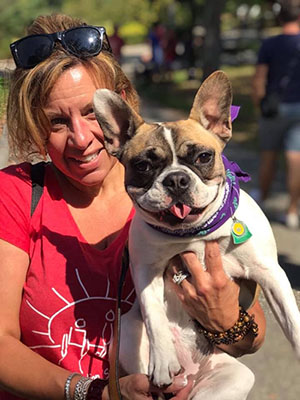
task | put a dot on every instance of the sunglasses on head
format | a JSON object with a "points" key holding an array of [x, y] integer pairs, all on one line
{"points": [[83, 41]]}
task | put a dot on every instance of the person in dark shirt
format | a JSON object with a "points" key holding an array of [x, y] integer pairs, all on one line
{"points": [[277, 78]]}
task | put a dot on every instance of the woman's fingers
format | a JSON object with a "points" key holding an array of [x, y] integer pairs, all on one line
{"points": [[208, 295], [213, 260], [213, 273], [176, 265]]}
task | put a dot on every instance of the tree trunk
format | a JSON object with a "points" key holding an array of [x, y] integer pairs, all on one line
{"points": [[212, 43]]}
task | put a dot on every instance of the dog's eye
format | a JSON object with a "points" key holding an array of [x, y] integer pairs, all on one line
{"points": [[203, 158], [142, 166]]}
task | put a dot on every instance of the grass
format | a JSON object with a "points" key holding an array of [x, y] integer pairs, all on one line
{"points": [[178, 92]]}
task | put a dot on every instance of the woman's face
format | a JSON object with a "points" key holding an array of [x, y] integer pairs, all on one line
{"points": [[75, 143]]}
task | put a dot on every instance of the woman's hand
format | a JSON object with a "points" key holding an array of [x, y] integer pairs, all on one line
{"points": [[138, 387], [209, 296], [212, 298]]}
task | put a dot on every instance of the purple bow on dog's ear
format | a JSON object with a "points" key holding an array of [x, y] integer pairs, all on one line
{"points": [[234, 112]]}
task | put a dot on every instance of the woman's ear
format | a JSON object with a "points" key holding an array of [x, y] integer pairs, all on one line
{"points": [[123, 94]]}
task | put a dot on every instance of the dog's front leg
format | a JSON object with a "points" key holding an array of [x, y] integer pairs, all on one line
{"points": [[279, 294], [163, 362]]}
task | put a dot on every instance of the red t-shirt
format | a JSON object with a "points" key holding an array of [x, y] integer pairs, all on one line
{"points": [[68, 304]]}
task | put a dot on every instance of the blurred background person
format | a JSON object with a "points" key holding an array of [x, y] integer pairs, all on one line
{"points": [[116, 43], [276, 90], [155, 37], [169, 43]]}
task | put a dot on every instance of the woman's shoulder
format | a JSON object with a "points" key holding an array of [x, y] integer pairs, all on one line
{"points": [[18, 173], [15, 175], [15, 188]]}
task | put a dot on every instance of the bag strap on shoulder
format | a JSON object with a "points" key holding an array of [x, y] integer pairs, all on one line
{"points": [[37, 173]]}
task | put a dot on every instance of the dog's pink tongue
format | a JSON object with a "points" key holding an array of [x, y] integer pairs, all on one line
{"points": [[180, 210]]}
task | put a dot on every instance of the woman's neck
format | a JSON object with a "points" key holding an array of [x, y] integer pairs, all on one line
{"points": [[79, 195]]}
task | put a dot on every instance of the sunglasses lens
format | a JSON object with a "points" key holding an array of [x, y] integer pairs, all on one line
{"points": [[83, 42], [33, 50]]}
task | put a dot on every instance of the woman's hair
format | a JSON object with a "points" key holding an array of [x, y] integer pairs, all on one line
{"points": [[28, 125]]}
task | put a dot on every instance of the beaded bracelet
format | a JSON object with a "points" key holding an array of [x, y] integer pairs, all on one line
{"points": [[240, 329]]}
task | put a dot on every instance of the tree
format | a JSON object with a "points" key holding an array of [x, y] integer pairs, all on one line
{"points": [[108, 12], [15, 16], [212, 41]]}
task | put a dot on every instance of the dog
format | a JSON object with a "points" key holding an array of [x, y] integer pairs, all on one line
{"points": [[176, 178]]}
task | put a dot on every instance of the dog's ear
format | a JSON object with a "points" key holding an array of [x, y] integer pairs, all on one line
{"points": [[211, 106], [117, 120]]}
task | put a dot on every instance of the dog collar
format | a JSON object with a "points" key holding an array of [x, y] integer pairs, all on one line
{"points": [[226, 210]]}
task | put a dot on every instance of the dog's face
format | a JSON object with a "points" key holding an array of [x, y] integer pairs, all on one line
{"points": [[174, 170]]}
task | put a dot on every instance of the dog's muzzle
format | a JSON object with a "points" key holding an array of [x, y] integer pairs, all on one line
{"points": [[180, 276]]}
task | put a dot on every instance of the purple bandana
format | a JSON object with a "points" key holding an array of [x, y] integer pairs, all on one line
{"points": [[229, 204]]}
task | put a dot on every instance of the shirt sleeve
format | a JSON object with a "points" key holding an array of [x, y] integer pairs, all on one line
{"points": [[15, 198]]}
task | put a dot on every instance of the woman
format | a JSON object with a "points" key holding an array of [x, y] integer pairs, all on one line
{"points": [[60, 267]]}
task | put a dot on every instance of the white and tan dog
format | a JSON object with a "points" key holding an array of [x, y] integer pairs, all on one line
{"points": [[176, 178]]}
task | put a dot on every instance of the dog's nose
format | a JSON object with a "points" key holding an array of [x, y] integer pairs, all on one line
{"points": [[177, 182]]}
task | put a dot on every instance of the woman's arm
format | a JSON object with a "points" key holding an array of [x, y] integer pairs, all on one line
{"points": [[250, 343], [22, 371], [212, 298]]}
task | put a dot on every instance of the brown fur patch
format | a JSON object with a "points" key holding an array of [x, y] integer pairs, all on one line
{"points": [[148, 135], [192, 130]]}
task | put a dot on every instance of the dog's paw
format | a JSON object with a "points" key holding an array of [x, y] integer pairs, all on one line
{"points": [[163, 367]]}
